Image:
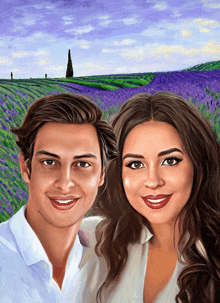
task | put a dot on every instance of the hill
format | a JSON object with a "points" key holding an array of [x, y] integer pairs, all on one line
{"points": [[204, 66]]}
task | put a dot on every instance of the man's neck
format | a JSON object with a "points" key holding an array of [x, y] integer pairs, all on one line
{"points": [[57, 243]]}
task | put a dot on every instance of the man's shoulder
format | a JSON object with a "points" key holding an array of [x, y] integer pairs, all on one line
{"points": [[87, 230], [7, 240]]}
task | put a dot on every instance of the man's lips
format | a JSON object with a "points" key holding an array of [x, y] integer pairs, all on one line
{"points": [[156, 202], [63, 203]]}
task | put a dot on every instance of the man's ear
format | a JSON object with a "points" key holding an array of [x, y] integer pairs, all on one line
{"points": [[102, 178], [23, 168]]}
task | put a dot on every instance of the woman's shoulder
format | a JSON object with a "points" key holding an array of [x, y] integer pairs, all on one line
{"points": [[87, 230]]}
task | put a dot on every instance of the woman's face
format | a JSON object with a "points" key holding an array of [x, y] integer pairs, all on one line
{"points": [[157, 173]]}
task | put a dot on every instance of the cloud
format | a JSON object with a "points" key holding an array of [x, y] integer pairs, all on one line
{"points": [[130, 20], [168, 49], [24, 54], [5, 61], [124, 42], [81, 30], [108, 51], [84, 44], [204, 30], [2, 43], [172, 52], [153, 31], [21, 54], [43, 62], [55, 67], [210, 48], [35, 36], [186, 33], [67, 20], [207, 22], [211, 5], [161, 6], [137, 53], [105, 22], [29, 22], [41, 36], [104, 17]]}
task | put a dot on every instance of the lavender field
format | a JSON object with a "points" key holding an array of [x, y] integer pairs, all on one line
{"points": [[199, 87]]}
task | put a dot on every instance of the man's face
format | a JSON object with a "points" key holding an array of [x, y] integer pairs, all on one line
{"points": [[65, 174]]}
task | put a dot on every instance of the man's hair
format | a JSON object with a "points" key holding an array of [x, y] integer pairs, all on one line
{"points": [[69, 109]]}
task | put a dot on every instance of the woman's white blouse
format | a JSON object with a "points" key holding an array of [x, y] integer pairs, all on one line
{"points": [[129, 287]]}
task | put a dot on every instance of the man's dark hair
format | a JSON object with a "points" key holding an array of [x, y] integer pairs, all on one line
{"points": [[69, 109]]}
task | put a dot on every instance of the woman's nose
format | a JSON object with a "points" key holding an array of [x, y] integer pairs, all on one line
{"points": [[153, 178]]}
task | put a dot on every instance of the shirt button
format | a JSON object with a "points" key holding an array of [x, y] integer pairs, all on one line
{"points": [[45, 265]]}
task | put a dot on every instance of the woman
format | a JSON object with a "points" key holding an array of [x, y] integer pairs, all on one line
{"points": [[159, 239]]}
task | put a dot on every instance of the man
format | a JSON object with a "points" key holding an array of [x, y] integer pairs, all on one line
{"points": [[65, 148]]}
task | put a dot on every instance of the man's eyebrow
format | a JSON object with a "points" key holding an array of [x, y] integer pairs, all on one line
{"points": [[133, 156], [169, 151], [44, 152], [89, 155]]}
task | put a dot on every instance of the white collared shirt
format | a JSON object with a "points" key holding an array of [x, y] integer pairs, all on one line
{"points": [[130, 286], [26, 274]]}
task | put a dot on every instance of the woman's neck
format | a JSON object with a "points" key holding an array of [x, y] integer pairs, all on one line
{"points": [[166, 236]]}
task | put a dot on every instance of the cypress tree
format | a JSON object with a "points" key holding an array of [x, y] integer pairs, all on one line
{"points": [[69, 70]]}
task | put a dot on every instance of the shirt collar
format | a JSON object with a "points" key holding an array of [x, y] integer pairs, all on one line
{"points": [[29, 245], [146, 235], [31, 248]]}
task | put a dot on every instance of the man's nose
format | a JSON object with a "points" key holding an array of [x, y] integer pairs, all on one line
{"points": [[65, 179]]}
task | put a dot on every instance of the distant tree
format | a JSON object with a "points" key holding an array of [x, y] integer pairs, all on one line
{"points": [[45, 75], [11, 76], [69, 70]]}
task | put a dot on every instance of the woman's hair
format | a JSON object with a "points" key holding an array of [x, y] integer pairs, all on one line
{"points": [[64, 108], [199, 243]]}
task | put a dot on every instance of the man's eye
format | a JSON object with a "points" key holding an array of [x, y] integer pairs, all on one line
{"points": [[83, 164], [135, 164], [49, 162], [171, 161]]}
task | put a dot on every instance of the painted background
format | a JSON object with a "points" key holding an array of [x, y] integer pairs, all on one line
{"points": [[118, 48]]}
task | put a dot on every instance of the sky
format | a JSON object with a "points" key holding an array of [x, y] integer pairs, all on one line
{"points": [[106, 37]]}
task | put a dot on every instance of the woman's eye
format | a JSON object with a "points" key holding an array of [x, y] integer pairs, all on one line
{"points": [[171, 161], [135, 165], [49, 162], [83, 164]]}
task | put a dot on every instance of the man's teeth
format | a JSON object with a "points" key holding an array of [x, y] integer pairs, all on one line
{"points": [[64, 201], [156, 201]]}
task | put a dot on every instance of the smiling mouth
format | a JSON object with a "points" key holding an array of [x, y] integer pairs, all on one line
{"points": [[63, 204], [157, 202]]}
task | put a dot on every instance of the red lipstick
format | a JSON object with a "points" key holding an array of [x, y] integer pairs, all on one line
{"points": [[156, 202]]}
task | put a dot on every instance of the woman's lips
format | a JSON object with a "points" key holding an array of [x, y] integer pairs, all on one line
{"points": [[63, 204], [156, 202]]}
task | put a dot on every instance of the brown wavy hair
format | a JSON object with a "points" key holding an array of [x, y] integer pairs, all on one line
{"points": [[199, 243], [64, 108]]}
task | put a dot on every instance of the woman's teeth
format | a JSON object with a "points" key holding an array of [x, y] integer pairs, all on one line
{"points": [[64, 201], [156, 201]]}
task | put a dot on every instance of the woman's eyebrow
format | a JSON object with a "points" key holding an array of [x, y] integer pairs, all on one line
{"points": [[169, 151], [133, 156]]}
